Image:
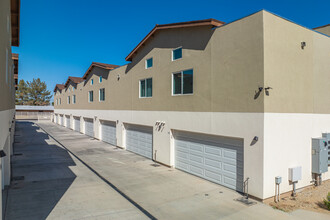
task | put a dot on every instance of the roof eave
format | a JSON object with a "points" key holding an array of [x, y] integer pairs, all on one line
{"points": [[15, 22]]}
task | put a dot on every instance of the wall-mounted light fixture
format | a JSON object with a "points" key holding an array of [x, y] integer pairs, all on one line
{"points": [[303, 44], [267, 90], [118, 77]]}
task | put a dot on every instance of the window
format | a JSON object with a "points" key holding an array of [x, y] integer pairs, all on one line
{"points": [[60, 101], [100, 79], [146, 88], [56, 102], [72, 89], [149, 63], [182, 82], [101, 95], [68, 99], [177, 54], [74, 99], [92, 81], [90, 96], [69, 89]]}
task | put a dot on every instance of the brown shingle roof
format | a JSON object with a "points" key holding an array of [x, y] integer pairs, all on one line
{"points": [[211, 22], [74, 80], [101, 65], [59, 86]]}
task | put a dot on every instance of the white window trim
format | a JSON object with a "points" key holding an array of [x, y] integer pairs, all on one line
{"points": [[145, 79], [100, 95], [89, 98], [174, 50], [145, 64], [181, 94]]}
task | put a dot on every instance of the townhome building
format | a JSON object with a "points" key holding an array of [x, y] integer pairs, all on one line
{"points": [[9, 35], [234, 103]]}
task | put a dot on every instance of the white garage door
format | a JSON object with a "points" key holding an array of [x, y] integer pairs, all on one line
{"points": [[108, 132], [139, 140], [89, 127], [55, 119], [76, 123], [67, 121], [61, 120], [218, 159]]}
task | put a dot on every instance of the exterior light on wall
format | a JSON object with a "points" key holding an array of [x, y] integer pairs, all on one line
{"points": [[118, 77], [303, 44], [267, 90]]}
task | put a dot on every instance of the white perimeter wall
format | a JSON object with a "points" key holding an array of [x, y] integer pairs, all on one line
{"points": [[287, 140]]}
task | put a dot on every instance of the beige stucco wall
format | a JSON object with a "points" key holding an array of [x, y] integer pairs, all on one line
{"points": [[227, 64], [7, 86], [297, 108]]}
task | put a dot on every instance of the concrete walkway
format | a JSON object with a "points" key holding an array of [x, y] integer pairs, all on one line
{"points": [[134, 186], [49, 183]]}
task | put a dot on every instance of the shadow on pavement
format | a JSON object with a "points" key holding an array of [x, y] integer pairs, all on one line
{"points": [[41, 174]]}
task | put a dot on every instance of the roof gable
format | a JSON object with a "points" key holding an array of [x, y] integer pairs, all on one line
{"points": [[74, 80], [101, 65], [211, 22], [59, 87]]}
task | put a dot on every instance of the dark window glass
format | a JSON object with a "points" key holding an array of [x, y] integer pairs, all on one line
{"points": [[149, 63], [177, 83], [142, 88], [149, 87], [187, 81], [177, 54]]}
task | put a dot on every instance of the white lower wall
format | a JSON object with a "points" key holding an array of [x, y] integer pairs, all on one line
{"points": [[287, 140], [238, 125], [7, 130]]}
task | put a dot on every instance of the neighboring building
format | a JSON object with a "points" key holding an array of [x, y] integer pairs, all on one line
{"points": [[9, 35], [325, 29], [225, 102], [33, 112]]}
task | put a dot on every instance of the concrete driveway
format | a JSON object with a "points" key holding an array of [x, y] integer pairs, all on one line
{"points": [[111, 183]]}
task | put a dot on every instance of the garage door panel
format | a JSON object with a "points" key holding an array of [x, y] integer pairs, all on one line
{"points": [[213, 176], [203, 156], [196, 170], [108, 132], [139, 140], [76, 123], [212, 150], [197, 159], [89, 127], [213, 163]]}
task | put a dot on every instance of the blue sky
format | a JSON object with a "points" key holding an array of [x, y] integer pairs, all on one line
{"points": [[60, 38]]}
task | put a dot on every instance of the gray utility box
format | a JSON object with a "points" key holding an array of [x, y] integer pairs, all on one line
{"points": [[327, 136], [319, 155]]}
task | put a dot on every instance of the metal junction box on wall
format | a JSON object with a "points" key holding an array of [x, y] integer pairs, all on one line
{"points": [[327, 136], [320, 155], [294, 174]]}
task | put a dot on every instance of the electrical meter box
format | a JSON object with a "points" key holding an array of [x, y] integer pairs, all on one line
{"points": [[294, 174], [320, 155]]}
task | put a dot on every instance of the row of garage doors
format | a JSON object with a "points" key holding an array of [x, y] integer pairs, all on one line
{"points": [[215, 158]]}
